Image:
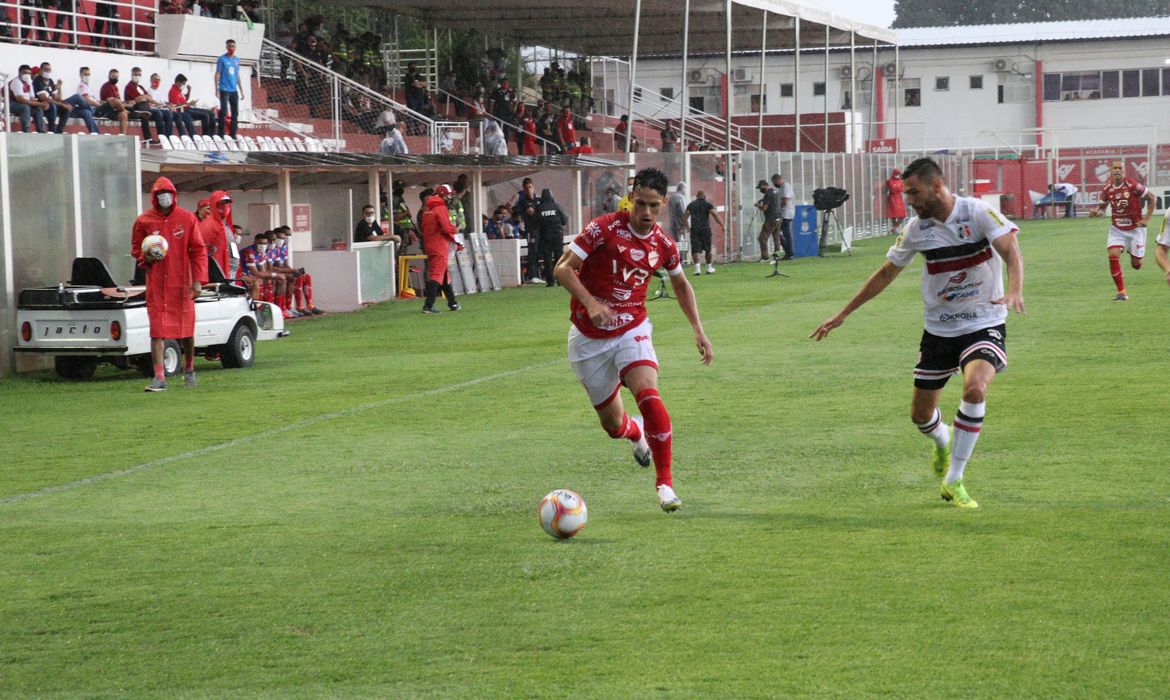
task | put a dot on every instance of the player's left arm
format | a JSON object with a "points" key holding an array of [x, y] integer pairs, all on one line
{"points": [[1145, 220], [690, 308], [1008, 247]]}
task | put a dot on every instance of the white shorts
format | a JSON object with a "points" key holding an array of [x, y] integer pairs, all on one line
{"points": [[1164, 236], [601, 363], [1132, 242]]}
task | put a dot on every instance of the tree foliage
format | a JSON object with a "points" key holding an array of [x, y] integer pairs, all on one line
{"points": [[944, 13]]}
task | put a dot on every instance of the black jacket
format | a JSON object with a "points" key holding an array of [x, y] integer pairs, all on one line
{"points": [[552, 219]]}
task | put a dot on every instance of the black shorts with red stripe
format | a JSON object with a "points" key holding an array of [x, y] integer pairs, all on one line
{"points": [[940, 357]]}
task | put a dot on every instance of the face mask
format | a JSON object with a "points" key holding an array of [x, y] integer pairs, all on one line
{"points": [[261, 247], [25, 78], [155, 83], [165, 199], [113, 81], [136, 79], [85, 79], [231, 50], [47, 75], [370, 219]]}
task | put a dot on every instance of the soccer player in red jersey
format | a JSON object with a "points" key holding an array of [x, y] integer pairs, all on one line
{"points": [[606, 270], [1128, 230]]}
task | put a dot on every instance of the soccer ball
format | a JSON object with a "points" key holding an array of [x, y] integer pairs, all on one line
{"points": [[563, 513], [154, 247]]}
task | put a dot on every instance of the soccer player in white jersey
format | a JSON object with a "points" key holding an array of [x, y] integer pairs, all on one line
{"points": [[1162, 252], [964, 242], [606, 270]]}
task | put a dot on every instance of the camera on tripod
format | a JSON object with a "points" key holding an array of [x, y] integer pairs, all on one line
{"points": [[826, 200]]}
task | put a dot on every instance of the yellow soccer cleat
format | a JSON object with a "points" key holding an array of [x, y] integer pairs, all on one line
{"points": [[955, 493], [942, 456]]}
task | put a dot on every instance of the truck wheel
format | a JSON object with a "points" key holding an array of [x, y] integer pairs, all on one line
{"points": [[240, 350], [75, 367], [172, 358]]}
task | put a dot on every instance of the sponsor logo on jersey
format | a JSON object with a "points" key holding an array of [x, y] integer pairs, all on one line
{"points": [[622, 294], [996, 217], [618, 321], [961, 316], [622, 233], [640, 338], [637, 254], [652, 259], [623, 248], [995, 334], [961, 291], [958, 279]]}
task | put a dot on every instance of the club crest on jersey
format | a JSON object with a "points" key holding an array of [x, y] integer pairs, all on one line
{"points": [[637, 254], [964, 231], [652, 258], [178, 232]]}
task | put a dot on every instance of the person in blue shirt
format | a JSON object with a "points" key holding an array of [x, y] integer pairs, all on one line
{"points": [[227, 88]]}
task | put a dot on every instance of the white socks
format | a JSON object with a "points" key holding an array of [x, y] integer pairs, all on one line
{"points": [[968, 423], [935, 429]]}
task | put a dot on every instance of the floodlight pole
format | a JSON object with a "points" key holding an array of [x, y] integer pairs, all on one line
{"points": [[796, 85], [763, 53], [633, 73], [727, 171], [825, 98], [684, 101], [852, 91]]}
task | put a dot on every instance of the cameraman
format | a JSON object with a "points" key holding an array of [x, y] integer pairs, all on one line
{"points": [[770, 205], [787, 213]]}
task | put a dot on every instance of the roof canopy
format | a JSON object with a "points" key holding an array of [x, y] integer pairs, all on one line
{"points": [[606, 27], [1036, 32]]}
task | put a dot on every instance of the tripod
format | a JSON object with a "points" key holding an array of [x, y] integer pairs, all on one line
{"points": [[663, 291], [829, 214], [775, 267]]}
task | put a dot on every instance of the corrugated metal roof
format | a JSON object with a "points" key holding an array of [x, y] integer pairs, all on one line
{"points": [[1035, 32]]}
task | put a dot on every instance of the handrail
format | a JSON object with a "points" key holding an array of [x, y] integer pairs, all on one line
{"points": [[460, 100], [44, 19], [341, 80]]}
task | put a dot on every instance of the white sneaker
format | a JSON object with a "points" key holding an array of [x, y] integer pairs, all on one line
{"points": [[536, 280], [641, 448], [667, 500], [710, 269], [698, 269]]}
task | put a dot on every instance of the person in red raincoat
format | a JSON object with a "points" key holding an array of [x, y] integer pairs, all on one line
{"points": [[216, 231], [438, 233], [895, 205], [528, 136], [173, 283]]}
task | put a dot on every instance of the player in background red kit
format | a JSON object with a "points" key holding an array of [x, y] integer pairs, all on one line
{"points": [[1128, 230], [606, 270]]}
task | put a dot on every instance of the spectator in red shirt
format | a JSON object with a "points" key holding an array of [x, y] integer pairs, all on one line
{"points": [[139, 102], [111, 106], [180, 97], [566, 132]]}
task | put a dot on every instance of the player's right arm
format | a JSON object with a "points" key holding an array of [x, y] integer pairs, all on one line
{"points": [[1101, 206], [877, 282], [565, 272]]}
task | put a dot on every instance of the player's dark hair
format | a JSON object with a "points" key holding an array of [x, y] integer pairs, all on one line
{"points": [[368, 206], [924, 169], [281, 228], [263, 234], [653, 178]]}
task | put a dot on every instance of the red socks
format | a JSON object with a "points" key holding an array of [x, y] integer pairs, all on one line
{"points": [[1118, 275], [657, 422], [628, 430], [160, 373]]}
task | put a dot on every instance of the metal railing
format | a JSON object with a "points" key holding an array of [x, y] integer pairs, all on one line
{"points": [[548, 146], [4, 78], [113, 25], [395, 60], [333, 97]]}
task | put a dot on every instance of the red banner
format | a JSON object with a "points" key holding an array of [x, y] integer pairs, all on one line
{"points": [[302, 218], [882, 145]]}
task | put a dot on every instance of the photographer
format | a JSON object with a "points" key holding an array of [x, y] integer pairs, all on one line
{"points": [[770, 205]]}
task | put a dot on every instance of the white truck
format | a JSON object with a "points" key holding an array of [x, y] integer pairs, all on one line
{"points": [[90, 320]]}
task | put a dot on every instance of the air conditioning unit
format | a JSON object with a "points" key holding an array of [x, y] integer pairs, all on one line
{"points": [[695, 77], [890, 70], [739, 75], [863, 74], [1003, 65], [846, 72]]}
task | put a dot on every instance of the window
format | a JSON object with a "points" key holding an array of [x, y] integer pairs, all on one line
{"points": [[786, 89], [912, 92], [818, 89], [667, 93], [755, 104], [637, 93], [1051, 88], [1166, 81], [1014, 88], [1150, 83], [1131, 83], [1110, 84], [942, 83], [846, 100], [976, 82]]}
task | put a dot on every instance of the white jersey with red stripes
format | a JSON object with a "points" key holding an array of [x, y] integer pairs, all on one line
{"points": [[963, 273], [618, 265]]}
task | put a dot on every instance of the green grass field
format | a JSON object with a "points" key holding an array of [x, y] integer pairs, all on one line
{"points": [[356, 514]]}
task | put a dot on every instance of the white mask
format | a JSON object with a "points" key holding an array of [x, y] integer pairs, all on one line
{"points": [[47, 74], [370, 219], [165, 199], [85, 79], [261, 247], [136, 78], [25, 78]]}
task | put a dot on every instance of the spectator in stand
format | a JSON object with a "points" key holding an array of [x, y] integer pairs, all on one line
{"points": [[546, 85], [111, 106], [393, 144], [504, 103], [83, 103], [228, 89], [65, 18], [386, 118], [477, 111], [23, 101], [584, 147], [284, 37], [143, 107], [528, 135], [181, 120], [48, 90], [369, 229], [621, 133], [106, 28], [449, 87], [346, 52], [414, 87], [180, 97], [669, 139], [566, 130], [546, 128], [493, 140], [515, 129]]}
